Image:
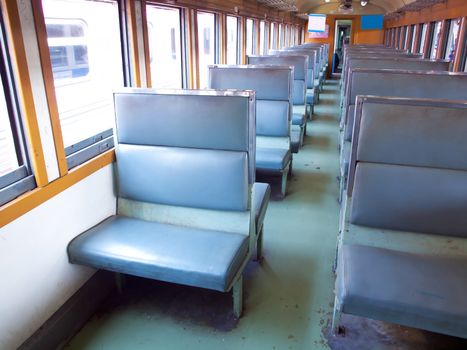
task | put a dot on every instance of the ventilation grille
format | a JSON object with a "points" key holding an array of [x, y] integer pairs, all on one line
{"points": [[282, 5]]}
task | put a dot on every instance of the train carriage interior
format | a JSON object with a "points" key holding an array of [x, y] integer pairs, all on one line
{"points": [[233, 174]]}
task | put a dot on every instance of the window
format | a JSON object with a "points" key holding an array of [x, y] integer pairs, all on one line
{"points": [[435, 40], [421, 45], [232, 40], [15, 174], [262, 37], [165, 52], [250, 39], [404, 37], [272, 35], [451, 44], [87, 62], [206, 45], [412, 40], [281, 36]]}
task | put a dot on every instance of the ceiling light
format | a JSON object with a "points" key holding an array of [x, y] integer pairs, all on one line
{"points": [[327, 0], [364, 2]]}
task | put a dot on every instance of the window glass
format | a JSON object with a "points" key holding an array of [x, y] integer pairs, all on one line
{"points": [[86, 56], [262, 37], [206, 45], [452, 39], [404, 37], [272, 35], [423, 38], [249, 37], [281, 36], [8, 157], [164, 47], [436, 40], [232, 40], [412, 40], [15, 175]]}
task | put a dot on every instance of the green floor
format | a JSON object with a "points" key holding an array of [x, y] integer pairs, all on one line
{"points": [[288, 297]]}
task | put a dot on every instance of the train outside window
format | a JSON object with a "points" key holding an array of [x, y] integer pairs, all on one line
{"points": [[232, 42], [206, 44], [249, 37], [262, 34], [165, 47], [452, 39], [68, 48], [84, 42]]}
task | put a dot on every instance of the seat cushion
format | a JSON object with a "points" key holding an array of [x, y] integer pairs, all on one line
{"points": [[261, 200], [416, 290], [272, 159], [298, 119], [195, 257]]}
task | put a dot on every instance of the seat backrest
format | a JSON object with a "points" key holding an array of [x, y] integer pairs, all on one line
{"points": [[313, 65], [186, 148], [408, 169], [300, 64], [380, 54], [401, 83], [394, 63], [273, 87]]}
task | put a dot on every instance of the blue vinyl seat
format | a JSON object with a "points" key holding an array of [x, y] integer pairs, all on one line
{"points": [[403, 245], [273, 87], [185, 195], [300, 64], [397, 83]]}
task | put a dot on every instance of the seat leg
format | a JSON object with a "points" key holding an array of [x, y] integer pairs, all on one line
{"points": [[336, 317], [259, 245], [237, 294]]}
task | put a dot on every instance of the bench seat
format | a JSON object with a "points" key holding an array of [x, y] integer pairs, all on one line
{"points": [[417, 290], [196, 257], [272, 159]]}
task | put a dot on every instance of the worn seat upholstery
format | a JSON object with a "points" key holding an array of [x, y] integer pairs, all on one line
{"points": [[184, 211], [405, 204], [162, 252], [383, 284], [273, 87]]}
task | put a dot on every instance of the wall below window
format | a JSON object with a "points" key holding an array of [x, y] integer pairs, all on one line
{"points": [[36, 276], [358, 36]]}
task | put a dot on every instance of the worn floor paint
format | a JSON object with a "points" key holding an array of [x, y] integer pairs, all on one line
{"points": [[287, 298]]}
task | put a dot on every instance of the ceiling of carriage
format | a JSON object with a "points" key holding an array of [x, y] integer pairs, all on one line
{"points": [[302, 7]]}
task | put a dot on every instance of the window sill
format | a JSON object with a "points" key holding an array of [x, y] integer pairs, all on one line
{"points": [[32, 199]]}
